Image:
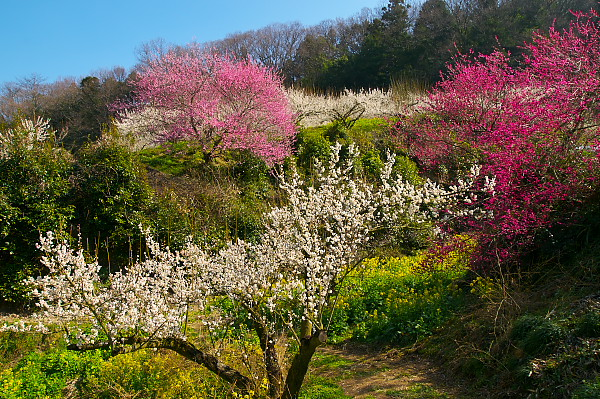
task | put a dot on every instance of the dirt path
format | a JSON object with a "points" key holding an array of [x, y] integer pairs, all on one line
{"points": [[365, 372]]}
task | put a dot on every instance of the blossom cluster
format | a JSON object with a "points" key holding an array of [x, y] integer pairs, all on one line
{"points": [[218, 101], [150, 296], [533, 126], [27, 134], [325, 228], [317, 109], [141, 126]]}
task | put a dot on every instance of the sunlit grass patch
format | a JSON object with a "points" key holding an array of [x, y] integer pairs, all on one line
{"points": [[322, 388], [417, 391]]}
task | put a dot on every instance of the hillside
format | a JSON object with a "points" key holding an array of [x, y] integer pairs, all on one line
{"points": [[228, 238]]}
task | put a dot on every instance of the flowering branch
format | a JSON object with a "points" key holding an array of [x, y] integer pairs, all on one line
{"points": [[534, 127], [286, 282]]}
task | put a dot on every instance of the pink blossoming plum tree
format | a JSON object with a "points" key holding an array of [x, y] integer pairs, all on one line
{"points": [[217, 101], [283, 286], [533, 125]]}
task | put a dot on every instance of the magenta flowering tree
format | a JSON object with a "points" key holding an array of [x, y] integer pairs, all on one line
{"points": [[533, 125], [220, 102]]}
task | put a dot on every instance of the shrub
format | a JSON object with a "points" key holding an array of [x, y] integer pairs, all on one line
{"points": [[101, 194], [589, 390], [312, 145], [210, 201], [371, 163], [588, 325], [315, 143], [112, 199], [34, 198], [536, 335]]}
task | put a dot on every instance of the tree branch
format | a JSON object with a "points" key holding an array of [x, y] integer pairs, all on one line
{"points": [[180, 346]]}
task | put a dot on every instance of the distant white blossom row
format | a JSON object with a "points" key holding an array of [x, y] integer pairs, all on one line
{"points": [[318, 109]]}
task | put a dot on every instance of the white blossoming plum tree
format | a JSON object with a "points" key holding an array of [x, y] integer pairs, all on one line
{"points": [[284, 284]]}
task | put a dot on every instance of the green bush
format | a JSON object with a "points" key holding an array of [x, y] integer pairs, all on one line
{"points": [[588, 325], [217, 200], [371, 163], [112, 199], [337, 132], [101, 194], [589, 390], [249, 169], [34, 198], [312, 145], [406, 168], [169, 221], [536, 335]]}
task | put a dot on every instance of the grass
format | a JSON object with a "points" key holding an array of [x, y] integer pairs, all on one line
{"points": [[175, 159], [326, 362], [417, 391], [322, 388]]}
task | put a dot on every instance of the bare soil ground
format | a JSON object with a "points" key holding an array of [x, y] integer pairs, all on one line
{"points": [[369, 372]]}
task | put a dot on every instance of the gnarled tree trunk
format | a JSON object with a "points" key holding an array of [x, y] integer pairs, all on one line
{"points": [[299, 367]]}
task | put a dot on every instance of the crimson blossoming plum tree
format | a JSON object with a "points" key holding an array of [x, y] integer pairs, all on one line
{"points": [[220, 102], [278, 289], [533, 125]]}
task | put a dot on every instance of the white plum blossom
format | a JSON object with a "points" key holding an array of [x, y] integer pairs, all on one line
{"points": [[26, 134], [285, 282], [142, 124], [316, 109], [311, 110]]}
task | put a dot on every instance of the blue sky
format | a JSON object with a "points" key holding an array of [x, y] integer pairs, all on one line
{"points": [[72, 38]]}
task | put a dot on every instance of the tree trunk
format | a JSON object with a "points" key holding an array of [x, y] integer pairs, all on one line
{"points": [[271, 360], [299, 367]]}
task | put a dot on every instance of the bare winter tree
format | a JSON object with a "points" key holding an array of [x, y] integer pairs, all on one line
{"points": [[238, 45], [327, 41], [273, 46], [24, 96], [151, 51]]}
